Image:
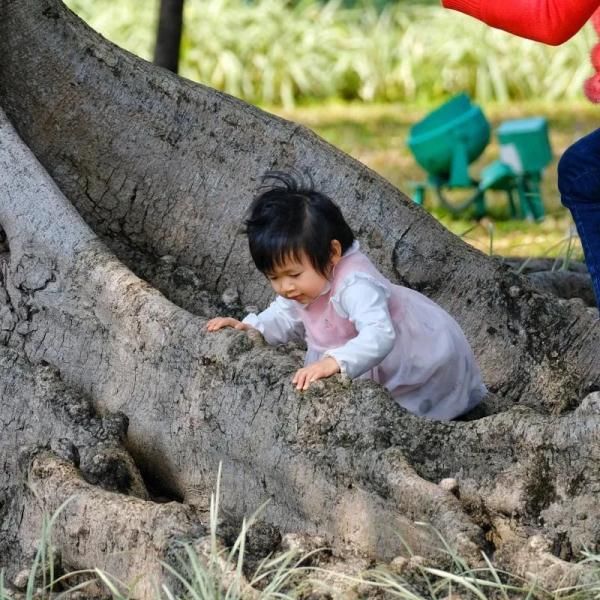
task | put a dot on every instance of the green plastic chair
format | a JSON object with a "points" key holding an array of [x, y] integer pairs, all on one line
{"points": [[450, 138]]}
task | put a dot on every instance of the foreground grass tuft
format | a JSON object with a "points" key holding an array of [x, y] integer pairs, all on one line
{"points": [[212, 572]]}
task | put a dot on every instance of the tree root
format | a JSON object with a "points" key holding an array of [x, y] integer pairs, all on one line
{"points": [[126, 537], [340, 460]]}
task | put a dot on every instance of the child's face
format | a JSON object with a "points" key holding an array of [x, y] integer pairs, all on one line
{"points": [[298, 280]]}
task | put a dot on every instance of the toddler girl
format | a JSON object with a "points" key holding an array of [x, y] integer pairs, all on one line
{"points": [[353, 319]]}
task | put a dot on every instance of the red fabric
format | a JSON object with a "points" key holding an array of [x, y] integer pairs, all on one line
{"points": [[596, 57], [592, 88], [549, 21], [596, 20]]}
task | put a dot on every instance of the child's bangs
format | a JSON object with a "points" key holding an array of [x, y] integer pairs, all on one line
{"points": [[274, 254]]}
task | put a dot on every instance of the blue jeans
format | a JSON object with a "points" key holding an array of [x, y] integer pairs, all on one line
{"points": [[579, 186]]}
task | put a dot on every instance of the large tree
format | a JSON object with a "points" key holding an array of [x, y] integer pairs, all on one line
{"points": [[122, 191]]}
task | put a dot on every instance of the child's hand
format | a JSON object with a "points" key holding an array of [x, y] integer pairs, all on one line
{"points": [[220, 322], [326, 367]]}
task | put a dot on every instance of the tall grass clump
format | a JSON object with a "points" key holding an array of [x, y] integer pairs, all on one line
{"points": [[220, 576], [485, 582], [277, 52], [211, 572], [43, 579]]}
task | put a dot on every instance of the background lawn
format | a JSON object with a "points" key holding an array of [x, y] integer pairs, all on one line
{"points": [[361, 72], [376, 135]]}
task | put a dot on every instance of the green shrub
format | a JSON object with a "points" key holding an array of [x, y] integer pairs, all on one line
{"points": [[275, 52]]}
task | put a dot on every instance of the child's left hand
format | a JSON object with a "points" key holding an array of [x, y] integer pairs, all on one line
{"points": [[326, 367]]}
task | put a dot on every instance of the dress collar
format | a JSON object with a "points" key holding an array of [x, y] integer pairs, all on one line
{"points": [[353, 249]]}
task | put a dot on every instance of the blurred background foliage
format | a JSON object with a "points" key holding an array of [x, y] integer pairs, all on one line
{"points": [[361, 72], [277, 52]]}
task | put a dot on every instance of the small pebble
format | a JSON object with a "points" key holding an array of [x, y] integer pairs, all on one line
{"points": [[21, 579], [416, 562], [450, 484], [399, 565], [230, 296], [538, 544]]}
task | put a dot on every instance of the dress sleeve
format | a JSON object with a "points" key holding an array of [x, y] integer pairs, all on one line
{"points": [[364, 301], [279, 323], [548, 21]]}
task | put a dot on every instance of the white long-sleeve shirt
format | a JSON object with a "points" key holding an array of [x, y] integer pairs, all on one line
{"points": [[384, 332], [361, 300]]}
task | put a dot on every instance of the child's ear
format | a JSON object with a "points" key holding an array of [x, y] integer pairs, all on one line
{"points": [[336, 252]]}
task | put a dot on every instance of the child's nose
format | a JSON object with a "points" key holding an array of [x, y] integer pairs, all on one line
{"points": [[287, 286]]}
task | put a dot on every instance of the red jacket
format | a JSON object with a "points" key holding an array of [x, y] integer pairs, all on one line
{"points": [[549, 21]]}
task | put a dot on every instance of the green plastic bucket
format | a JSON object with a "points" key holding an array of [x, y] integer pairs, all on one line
{"points": [[525, 145], [450, 138]]}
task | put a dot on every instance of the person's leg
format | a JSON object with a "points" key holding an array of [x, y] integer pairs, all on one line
{"points": [[579, 185]]}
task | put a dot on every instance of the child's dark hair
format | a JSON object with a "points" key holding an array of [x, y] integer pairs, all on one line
{"points": [[290, 218]]}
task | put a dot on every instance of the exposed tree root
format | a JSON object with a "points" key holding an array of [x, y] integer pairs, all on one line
{"points": [[340, 460], [128, 538]]}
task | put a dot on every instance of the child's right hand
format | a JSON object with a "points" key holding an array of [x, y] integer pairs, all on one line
{"points": [[220, 322]]}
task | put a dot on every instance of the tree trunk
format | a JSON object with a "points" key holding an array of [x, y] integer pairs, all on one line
{"points": [[168, 35], [141, 171]]}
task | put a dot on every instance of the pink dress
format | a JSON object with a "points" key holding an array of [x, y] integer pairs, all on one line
{"points": [[385, 332]]}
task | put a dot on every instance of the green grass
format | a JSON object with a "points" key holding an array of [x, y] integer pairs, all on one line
{"points": [[216, 575], [219, 574], [376, 135]]}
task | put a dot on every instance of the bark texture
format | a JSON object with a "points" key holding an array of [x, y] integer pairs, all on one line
{"points": [[141, 171], [162, 166]]}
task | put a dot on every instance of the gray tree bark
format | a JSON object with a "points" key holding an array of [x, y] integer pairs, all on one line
{"points": [[110, 167]]}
